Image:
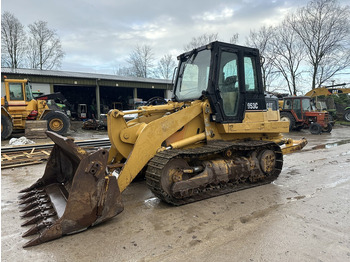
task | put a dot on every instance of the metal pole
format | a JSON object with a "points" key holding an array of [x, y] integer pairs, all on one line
{"points": [[135, 93], [98, 103]]}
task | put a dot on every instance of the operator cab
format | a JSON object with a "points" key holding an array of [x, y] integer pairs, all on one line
{"points": [[299, 105], [18, 92], [228, 75], [271, 102]]}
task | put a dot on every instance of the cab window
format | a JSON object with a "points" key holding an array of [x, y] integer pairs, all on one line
{"points": [[250, 74], [194, 75], [287, 104], [16, 91], [228, 83], [306, 105], [29, 94], [297, 108]]}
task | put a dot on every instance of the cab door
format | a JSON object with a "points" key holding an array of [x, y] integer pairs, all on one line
{"points": [[228, 85], [15, 94], [298, 109], [237, 83]]}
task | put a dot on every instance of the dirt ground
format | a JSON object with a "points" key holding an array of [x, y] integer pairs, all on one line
{"points": [[302, 216], [75, 131]]}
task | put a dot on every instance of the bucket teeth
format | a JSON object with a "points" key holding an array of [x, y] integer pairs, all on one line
{"points": [[75, 192], [32, 198], [35, 203], [37, 209], [35, 186], [38, 218], [37, 228], [30, 193], [33, 242]]}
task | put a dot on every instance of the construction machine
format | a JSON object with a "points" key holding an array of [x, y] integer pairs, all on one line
{"points": [[346, 114], [57, 101], [299, 112], [214, 137], [272, 102], [18, 106], [328, 92]]}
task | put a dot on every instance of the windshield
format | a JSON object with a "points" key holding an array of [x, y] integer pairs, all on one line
{"points": [[307, 106], [193, 76], [29, 94], [16, 91]]}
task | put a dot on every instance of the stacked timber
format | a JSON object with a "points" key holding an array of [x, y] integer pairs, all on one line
{"points": [[36, 129]]}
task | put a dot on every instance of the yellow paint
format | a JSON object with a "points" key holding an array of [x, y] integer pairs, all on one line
{"points": [[148, 141], [188, 141], [20, 109], [181, 125], [292, 146]]}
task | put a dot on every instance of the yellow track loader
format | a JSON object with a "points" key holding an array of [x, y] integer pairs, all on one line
{"points": [[213, 138]]}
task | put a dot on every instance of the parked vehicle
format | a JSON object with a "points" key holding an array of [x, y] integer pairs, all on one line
{"points": [[19, 106], [300, 113], [327, 91], [213, 138]]}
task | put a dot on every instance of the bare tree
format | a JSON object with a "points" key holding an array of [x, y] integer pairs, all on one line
{"points": [[261, 40], [289, 53], [200, 41], [324, 28], [123, 71], [13, 41], [166, 67], [234, 39], [44, 47], [141, 61]]}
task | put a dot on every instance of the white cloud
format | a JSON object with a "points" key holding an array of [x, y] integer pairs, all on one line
{"points": [[150, 31], [100, 35], [215, 16]]}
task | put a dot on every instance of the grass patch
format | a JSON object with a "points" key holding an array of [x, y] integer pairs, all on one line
{"points": [[343, 123]]}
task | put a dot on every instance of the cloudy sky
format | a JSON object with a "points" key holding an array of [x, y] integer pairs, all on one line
{"points": [[98, 36]]}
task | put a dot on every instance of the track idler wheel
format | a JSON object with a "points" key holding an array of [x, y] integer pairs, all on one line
{"points": [[267, 159]]}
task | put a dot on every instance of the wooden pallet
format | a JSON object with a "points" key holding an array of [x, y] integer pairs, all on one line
{"points": [[24, 158]]}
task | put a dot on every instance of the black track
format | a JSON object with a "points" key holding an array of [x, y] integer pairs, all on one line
{"points": [[217, 148]]}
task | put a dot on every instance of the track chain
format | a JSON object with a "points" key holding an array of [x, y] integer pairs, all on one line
{"points": [[159, 161]]}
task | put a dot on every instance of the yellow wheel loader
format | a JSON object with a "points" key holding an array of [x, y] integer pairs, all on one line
{"points": [[326, 91], [214, 137], [19, 106]]}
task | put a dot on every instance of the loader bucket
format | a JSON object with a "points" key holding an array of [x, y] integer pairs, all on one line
{"points": [[74, 193]]}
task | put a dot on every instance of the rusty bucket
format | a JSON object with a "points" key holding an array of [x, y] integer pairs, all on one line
{"points": [[74, 193]]}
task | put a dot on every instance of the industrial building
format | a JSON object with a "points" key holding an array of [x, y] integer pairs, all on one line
{"points": [[99, 92]]}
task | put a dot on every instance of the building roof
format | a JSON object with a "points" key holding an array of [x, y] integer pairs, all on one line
{"points": [[56, 73]]}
